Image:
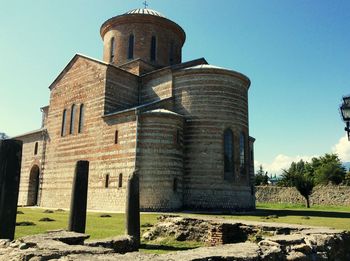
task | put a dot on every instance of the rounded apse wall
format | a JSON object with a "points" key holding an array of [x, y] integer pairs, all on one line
{"points": [[160, 154], [214, 100]]}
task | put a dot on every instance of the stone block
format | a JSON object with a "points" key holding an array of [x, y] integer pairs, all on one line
{"points": [[121, 244]]}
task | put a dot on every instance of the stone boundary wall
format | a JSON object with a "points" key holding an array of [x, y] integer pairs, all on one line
{"points": [[322, 195]]}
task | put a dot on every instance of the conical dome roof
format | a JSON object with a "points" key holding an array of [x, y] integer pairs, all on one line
{"points": [[145, 11]]}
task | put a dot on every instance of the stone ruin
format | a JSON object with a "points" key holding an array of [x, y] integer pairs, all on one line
{"points": [[225, 240]]}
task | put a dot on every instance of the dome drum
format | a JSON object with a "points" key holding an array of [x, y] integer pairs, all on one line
{"points": [[156, 39]]}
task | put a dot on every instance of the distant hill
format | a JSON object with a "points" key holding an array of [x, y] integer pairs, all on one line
{"points": [[346, 165]]}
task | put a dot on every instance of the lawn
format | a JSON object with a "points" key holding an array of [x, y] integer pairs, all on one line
{"points": [[97, 227], [327, 216], [102, 227]]}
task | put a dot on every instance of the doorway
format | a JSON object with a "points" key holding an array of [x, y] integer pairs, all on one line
{"points": [[33, 189]]}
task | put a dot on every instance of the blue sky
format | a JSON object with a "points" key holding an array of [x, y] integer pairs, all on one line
{"points": [[296, 53]]}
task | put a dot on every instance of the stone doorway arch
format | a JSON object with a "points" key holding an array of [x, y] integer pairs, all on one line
{"points": [[33, 188]]}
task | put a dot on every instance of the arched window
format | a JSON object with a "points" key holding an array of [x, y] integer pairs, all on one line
{"points": [[131, 47], [251, 155], [171, 53], [177, 137], [120, 180], [175, 184], [228, 155], [112, 50], [63, 126], [72, 119], [81, 118], [153, 48], [36, 148], [116, 137], [107, 181], [242, 165]]}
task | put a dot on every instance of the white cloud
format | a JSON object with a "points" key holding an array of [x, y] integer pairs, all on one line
{"points": [[342, 148], [281, 162]]}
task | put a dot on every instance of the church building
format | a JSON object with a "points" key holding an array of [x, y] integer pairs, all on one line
{"points": [[182, 125]]}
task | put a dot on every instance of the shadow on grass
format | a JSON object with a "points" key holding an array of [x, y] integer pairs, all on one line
{"points": [[310, 213], [282, 213], [164, 247]]}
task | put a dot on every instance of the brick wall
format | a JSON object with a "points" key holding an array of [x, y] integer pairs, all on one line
{"points": [[84, 83], [212, 100], [143, 28], [156, 86], [121, 91], [29, 161], [161, 161]]}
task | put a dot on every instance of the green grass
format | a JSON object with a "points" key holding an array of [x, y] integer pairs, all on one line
{"points": [[98, 227], [326, 216], [280, 206]]}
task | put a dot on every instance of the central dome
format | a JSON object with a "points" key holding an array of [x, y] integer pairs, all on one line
{"points": [[145, 11], [143, 34]]}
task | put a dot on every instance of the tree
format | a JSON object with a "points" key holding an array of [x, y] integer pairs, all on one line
{"points": [[328, 169], [288, 176], [3, 136], [304, 184], [325, 169], [261, 177], [300, 176]]}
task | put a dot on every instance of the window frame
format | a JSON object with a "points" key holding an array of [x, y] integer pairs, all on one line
{"points": [[72, 119], [242, 153], [112, 50], [107, 180], [120, 180], [153, 54], [36, 148], [64, 123], [175, 184], [131, 46], [81, 118], [228, 153], [116, 137]]}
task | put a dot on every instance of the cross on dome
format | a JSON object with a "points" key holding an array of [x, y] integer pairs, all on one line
{"points": [[145, 4]]}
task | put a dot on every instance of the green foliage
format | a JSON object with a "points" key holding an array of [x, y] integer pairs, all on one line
{"points": [[304, 183], [300, 175], [3, 136], [261, 177], [322, 170], [328, 169], [288, 176]]}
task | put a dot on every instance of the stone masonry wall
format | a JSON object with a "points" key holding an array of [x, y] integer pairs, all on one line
{"points": [[143, 30], [213, 101], [155, 87], [322, 195], [84, 83], [121, 90], [29, 160], [161, 161]]}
